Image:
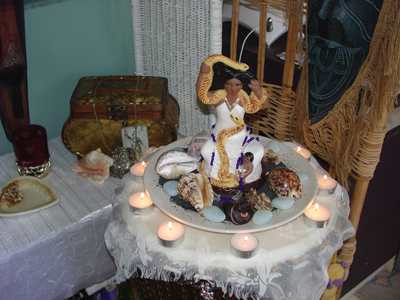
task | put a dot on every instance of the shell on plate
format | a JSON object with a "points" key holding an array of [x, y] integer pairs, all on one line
{"points": [[197, 143], [259, 201], [270, 156], [174, 163], [284, 183], [196, 190]]}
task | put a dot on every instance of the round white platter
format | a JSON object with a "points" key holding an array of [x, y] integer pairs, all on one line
{"points": [[288, 156]]}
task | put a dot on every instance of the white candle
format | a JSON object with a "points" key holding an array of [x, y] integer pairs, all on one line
{"points": [[140, 203], [317, 216], [326, 185], [303, 152], [170, 234], [138, 169], [244, 245]]}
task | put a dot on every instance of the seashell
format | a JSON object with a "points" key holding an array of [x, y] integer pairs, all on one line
{"points": [[270, 156], [259, 201], [171, 188], [197, 142], [262, 217], [197, 190], [274, 146], [283, 202], [94, 165], [174, 163], [284, 183], [239, 212], [214, 214]]}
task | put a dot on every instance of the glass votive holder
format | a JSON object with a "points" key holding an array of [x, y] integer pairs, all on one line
{"points": [[31, 151]]}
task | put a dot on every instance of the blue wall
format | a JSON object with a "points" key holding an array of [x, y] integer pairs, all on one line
{"points": [[67, 40]]}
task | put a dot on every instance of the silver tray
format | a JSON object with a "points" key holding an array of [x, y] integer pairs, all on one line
{"points": [[288, 156]]}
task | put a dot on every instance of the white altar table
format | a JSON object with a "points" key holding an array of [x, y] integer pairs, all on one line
{"points": [[56, 252], [291, 262]]}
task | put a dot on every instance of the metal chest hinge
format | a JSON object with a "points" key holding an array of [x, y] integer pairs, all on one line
{"points": [[117, 113]]}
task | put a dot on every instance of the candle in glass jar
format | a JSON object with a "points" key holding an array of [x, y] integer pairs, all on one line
{"points": [[244, 245], [303, 152], [138, 169], [170, 234], [140, 203], [326, 185], [317, 216]]}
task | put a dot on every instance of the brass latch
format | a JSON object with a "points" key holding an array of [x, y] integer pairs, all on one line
{"points": [[117, 113]]}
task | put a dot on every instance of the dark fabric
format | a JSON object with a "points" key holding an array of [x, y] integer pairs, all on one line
{"points": [[13, 85], [339, 36]]}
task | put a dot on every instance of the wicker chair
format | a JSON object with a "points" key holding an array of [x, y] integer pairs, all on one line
{"points": [[368, 101]]}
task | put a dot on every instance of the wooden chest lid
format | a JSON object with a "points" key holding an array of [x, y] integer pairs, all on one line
{"points": [[109, 91]]}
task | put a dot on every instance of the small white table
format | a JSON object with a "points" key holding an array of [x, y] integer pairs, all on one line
{"points": [[291, 262], [56, 252]]}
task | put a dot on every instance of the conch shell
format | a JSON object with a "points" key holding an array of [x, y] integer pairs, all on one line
{"points": [[197, 190], [94, 165], [174, 163]]}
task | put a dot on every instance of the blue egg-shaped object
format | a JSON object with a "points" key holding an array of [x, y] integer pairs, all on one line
{"points": [[283, 202], [274, 146], [262, 217], [171, 188], [214, 214], [303, 177]]}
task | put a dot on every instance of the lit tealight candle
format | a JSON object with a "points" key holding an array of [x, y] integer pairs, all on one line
{"points": [[138, 169], [244, 245], [140, 203], [170, 234], [317, 216], [303, 152], [326, 185]]}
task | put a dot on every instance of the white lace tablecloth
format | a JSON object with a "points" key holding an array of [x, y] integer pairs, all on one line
{"points": [[291, 262], [56, 252]]}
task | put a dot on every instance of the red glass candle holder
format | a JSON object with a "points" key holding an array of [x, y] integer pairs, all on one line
{"points": [[31, 150]]}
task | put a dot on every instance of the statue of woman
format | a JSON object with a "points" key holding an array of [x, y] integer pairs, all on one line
{"points": [[233, 92]]}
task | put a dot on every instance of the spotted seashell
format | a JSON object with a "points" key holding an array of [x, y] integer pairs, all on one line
{"points": [[285, 183], [196, 190], [259, 201]]}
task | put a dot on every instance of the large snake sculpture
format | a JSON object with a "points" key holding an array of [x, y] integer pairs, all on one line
{"points": [[227, 179], [251, 104]]}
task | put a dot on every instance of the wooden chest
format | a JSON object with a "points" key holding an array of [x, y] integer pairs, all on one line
{"points": [[100, 106]]}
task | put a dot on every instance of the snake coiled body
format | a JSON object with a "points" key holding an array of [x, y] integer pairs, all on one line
{"points": [[227, 179], [251, 103]]}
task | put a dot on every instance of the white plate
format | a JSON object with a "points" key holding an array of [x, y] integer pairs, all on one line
{"points": [[37, 195], [288, 156]]}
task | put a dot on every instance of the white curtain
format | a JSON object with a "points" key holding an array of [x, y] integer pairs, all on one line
{"points": [[171, 39]]}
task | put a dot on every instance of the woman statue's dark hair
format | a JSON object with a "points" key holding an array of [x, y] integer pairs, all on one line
{"points": [[223, 72]]}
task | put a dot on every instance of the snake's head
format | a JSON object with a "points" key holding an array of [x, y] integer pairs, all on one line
{"points": [[237, 119]]}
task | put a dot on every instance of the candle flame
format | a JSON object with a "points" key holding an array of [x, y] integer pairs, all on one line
{"points": [[141, 196], [143, 164], [325, 177], [316, 206], [170, 225], [298, 149], [246, 238]]}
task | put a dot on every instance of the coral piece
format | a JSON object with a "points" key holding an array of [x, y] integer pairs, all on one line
{"points": [[94, 165], [258, 201], [196, 190]]}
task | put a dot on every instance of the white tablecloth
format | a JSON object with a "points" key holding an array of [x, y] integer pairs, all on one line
{"points": [[291, 262], [58, 251]]}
